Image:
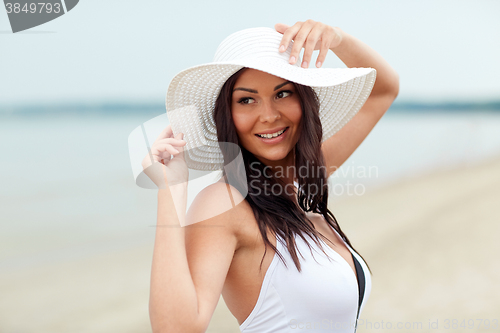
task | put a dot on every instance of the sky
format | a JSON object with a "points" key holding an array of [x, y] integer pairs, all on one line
{"points": [[128, 51]]}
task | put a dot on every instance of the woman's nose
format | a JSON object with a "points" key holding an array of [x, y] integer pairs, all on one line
{"points": [[269, 112]]}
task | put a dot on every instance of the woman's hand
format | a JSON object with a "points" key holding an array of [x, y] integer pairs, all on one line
{"points": [[159, 165], [310, 35]]}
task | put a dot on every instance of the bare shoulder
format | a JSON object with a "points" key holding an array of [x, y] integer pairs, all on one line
{"points": [[221, 205]]}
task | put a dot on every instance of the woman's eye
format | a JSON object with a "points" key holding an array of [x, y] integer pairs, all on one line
{"points": [[246, 100], [283, 94]]}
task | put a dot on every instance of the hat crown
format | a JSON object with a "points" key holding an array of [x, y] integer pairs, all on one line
{"points": [[252, 43]]}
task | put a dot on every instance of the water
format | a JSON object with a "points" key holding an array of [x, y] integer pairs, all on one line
{"points": [[67, 183], [67, 187], [404, 145]]}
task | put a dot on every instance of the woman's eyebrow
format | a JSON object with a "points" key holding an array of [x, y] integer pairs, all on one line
{"points": [[256, 92], [246, 89], [281, 85]]}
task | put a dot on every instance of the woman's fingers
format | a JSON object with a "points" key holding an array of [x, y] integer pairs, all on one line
{"points": [[162, 149], [172, 145], [286, 39], [180, 138], [166, 133], [281, 27], [299, 40], [323, 45], [160, 166], [288, 36], [180, 148], [311, 43], [172, 141], [310, 35]]}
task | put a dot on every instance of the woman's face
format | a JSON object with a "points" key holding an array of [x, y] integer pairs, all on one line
{"points": [[266, 113]]}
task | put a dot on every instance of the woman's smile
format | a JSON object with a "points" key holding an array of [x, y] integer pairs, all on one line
{"points": [[272, 137], [267, 114]]}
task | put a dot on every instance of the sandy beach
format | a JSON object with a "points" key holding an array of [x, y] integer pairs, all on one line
{"points": [[430, 242]]}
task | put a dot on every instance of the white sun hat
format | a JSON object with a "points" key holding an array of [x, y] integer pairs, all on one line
{"points": [[192, 93]]}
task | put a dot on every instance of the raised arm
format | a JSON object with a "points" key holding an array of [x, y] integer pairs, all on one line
{"points": [[190, 260], [311, 36]]}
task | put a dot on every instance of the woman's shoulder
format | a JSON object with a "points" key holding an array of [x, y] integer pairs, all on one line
{"points": [[216, 199], [221, 204]]}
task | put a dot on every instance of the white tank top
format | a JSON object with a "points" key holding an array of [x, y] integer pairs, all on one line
{"points": [[323, 297]]}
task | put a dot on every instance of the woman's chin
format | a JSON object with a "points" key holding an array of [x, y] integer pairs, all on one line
{"points": [[274, 157]]}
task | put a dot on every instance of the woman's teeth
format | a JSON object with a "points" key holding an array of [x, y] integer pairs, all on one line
{"points": [[273, 135]]}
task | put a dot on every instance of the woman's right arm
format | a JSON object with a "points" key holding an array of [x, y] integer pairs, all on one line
{"points": [[190, 263]]}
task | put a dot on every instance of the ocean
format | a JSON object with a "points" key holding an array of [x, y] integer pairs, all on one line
{"points": [[68, 188]]}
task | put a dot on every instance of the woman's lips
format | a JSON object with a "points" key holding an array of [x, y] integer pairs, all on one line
{"points": [[277, 139]]}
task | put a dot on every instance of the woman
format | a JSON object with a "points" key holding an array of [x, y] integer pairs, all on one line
{"points": [[277, 255]]}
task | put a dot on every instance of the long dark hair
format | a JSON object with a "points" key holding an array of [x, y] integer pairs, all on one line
{"points": [[273, 211]]}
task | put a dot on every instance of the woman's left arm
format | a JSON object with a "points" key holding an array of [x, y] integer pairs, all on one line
{"points": [[311, 36]]}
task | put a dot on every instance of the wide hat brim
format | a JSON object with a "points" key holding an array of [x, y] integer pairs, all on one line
{"points": [[192, 93]]}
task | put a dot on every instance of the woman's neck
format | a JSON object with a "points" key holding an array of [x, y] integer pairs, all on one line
{"points": [[284, 169]]}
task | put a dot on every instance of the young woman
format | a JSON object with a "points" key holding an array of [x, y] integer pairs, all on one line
{"points": [[263, 236]]}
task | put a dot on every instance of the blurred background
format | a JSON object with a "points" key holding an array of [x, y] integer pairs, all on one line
{"points": [[419, 199]]}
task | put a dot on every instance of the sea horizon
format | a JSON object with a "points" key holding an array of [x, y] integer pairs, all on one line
{"points": [[114, 107]]}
